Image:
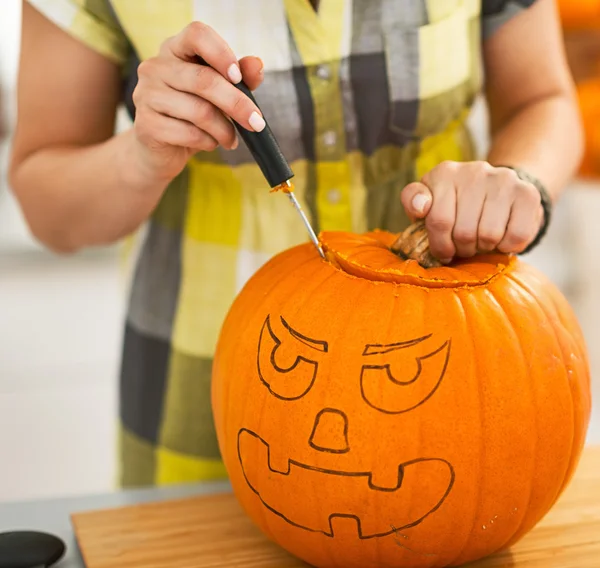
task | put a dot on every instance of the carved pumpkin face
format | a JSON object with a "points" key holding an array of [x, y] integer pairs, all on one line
{"points": [[372, 412]]}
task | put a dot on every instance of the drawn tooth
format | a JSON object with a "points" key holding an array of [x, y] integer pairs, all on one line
{"points": [[278, 463], [389, 479]]}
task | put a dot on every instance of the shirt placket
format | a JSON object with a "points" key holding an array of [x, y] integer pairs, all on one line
{"points": [[319, 42]]}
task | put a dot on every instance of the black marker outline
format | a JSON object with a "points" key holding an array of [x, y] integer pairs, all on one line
{"points": [[361, 536], [387, 368], [267, 325], [312, 343], [315, 446], [383, 348]]}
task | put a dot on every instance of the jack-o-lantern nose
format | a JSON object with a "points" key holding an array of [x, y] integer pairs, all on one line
{"points": [[330, 432]]}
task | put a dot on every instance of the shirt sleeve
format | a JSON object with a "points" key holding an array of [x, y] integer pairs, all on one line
{"points": [[93, 22], [495, 13]]}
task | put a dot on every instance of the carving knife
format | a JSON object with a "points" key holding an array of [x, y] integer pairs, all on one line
{"points": [[268, 155]]}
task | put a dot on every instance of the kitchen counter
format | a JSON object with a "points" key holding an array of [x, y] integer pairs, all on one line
{"points": [[53, 515]]}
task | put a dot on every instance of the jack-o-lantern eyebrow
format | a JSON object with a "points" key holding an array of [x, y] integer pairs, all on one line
{"points": [[312, 343], [382, 348]]}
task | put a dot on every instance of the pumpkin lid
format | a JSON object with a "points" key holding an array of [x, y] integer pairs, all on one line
{"points": [[370, 256]]}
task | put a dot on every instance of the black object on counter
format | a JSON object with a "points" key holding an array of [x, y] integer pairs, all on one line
{"points": [[29, 549], [262, 145]]}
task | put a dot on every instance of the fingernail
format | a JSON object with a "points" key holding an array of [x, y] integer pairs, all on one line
{"points": [[235, 144], [419, 202], [445, 260], [234, 74], [257, 122]]}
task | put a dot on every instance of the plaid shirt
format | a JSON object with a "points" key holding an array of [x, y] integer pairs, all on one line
{"points": [[364, 97]]}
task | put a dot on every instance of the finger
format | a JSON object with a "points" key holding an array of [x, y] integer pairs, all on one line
{"points": [[205, 82], [493, 222], [173, 132], [197, 111], [252, 71], [440, 220], [501, 194], [524, 221], [468, 213], [416, 200], [198, 39]]}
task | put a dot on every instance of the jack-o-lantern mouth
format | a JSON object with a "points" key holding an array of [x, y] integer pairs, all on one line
{"points": [[423, 485]]}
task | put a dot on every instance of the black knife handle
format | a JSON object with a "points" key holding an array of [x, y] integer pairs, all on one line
{"points": [[262, 145]]}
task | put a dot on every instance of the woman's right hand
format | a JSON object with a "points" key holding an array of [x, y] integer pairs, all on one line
{"points": [[183, 107]]}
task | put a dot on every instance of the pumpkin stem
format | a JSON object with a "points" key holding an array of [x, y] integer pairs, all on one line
{"points": [[414, 244]]}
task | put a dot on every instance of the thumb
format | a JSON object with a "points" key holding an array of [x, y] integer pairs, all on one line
{"points": [[416, 199], [252, 71]]}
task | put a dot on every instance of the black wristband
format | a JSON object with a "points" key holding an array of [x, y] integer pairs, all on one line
{"points": [[546, 204]]}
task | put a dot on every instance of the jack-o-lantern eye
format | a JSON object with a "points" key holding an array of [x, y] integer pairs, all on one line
{"points": [[402, 376], [287, 360]]}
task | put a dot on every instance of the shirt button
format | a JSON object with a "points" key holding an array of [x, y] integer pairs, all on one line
{"points": [[329, 138], [323, 72], [334, 196]]}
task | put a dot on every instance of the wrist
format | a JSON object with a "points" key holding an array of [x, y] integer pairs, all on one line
{"points": [[134, 167]]}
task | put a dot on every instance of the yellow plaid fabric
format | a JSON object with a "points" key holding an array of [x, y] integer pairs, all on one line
{"points": [[364, 97]]}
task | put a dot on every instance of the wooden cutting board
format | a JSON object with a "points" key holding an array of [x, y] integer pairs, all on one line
{"points": [[212, 531]]}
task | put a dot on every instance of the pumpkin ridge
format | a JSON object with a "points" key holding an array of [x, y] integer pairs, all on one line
{"points": [[533, 400], [563, 326], [266, 518], [574, 454], [470, 533]]}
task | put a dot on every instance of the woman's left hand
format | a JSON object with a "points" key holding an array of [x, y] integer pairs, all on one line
{"points": [[472, 207]]}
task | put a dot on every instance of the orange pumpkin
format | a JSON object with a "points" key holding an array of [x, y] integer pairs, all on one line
{"points": [[579, 13], [588, 93], [581, 24], [372, 412]]}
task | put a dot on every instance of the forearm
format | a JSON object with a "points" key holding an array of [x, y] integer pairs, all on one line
{"points": [[545, 139], [73, 197]]}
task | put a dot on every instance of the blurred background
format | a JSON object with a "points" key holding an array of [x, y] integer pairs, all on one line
{"points": [[60, 317]]}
